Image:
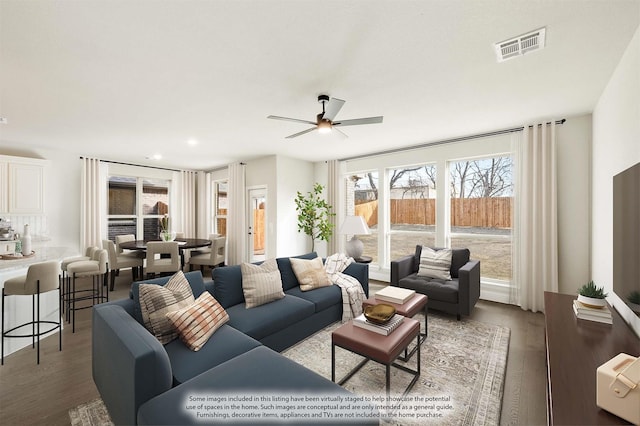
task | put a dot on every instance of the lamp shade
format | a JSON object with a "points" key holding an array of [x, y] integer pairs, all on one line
{"points": [[354, 225]]}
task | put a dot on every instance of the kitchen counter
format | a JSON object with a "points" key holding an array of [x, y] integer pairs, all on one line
{"points": [[18, 308]]}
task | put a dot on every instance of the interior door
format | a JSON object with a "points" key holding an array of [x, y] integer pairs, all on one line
{"points": [[257, 236]]}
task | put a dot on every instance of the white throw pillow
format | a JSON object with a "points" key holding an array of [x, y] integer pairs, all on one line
{"points": [[435, 263], [261, 283]]}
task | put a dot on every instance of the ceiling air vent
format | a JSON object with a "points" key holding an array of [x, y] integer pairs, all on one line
{"points": [[520, 45]]}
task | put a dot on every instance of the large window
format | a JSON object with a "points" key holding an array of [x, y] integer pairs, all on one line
{"points": [[412, 208], [136, 206], [481, 201], [220, 206], [362, 200]]}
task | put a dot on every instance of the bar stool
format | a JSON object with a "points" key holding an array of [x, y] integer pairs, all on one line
{"points": [[41, 278], [65, 282], [96, 269]]}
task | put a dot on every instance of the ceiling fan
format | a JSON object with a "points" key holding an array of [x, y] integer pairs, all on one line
{"points": [[325, 121]]}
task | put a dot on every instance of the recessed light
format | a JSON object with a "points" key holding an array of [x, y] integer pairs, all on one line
{"points": [[3, 120], [154, 157], [192, 142]]}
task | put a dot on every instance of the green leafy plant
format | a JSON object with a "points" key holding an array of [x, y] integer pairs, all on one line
{"points": [[591, 290], [164, 223], [314, 215], [634, 297]]}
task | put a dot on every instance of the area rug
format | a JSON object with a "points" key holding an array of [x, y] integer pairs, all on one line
{"points": [[463, 367]]}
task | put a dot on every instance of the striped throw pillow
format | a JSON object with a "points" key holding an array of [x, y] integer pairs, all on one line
{"points": [[197, 323], [157, 300], [261, 283], [435, 263]]}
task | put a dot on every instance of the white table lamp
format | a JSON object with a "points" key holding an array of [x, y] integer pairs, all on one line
{"points": [[354, 225]]}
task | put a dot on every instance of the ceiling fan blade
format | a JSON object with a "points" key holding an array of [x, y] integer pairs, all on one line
{"points": [[341, 132], [357, 121], [295, 135], [333, 108], [297, 120]]}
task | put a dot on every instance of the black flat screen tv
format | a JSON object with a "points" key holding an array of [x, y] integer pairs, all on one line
{"points": [[626, 237]]}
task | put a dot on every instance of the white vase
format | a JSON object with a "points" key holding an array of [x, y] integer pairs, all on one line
{"points": [[592, 302], [167, 235], [26, 241]]}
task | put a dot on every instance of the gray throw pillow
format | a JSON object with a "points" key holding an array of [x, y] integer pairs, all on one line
{"points": [[261, 283]]}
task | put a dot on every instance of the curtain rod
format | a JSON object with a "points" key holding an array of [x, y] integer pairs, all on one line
{"points": [[135, 165], [446, 141]]}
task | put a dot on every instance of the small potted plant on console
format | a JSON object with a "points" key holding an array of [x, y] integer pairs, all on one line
{"points": [[592, 296]]}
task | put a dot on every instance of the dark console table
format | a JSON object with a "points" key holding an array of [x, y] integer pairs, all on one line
{"points": [[575, 349]]}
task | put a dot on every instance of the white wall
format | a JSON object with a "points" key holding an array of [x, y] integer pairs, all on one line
{"points": [[293, 176], [616, 147], [574, 203]]}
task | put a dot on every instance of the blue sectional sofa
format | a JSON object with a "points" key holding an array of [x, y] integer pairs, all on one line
{"points": [[142, 381]]}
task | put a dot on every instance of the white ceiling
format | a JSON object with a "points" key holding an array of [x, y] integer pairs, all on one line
{"points": [[122, 80]]}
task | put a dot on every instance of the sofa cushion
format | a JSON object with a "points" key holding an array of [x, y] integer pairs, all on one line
{"points": [[195, 281], [156, 301], [196, 323], [267, 319], [227, 285], [435, 263], [261, 283], [289, 279], [260, 371], [433, 288], [322, 298], [310, 273], [224, 344]]}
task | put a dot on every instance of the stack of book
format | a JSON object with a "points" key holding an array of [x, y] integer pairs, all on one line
{"points": [[592, 314], [395, 294], [384, 329]]}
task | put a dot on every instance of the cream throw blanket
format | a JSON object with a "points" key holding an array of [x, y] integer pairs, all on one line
{"points": [[352, 292]]}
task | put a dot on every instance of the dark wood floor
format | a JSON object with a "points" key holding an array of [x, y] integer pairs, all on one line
{"points": [[33, 394]]}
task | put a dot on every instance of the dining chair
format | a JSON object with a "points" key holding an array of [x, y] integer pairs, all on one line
{"points": [[124, 238], [204, 250], [41, 278], [122, 261], [158, 264], [214, 258]]}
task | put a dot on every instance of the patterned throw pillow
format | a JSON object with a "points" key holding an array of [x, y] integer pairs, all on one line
{"points": [[310, 273], [261, 283], [199, 321], [157, 300], [435, 263]]}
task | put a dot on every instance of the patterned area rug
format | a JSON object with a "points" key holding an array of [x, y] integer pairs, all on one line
{"points": [[463, 367]]}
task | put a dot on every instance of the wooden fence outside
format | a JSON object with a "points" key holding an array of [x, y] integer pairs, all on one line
{"points": [[490, 212]]}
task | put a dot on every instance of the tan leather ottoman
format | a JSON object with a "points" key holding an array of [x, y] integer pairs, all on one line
{"points": [[408, 309], [377, 347]]}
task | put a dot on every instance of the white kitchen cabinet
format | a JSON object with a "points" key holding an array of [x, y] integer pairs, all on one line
{"points": [[22, 185]]}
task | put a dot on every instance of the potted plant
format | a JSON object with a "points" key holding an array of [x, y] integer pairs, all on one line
{"points": [[634, 301], [165, 232], [592, 296], [314, 215]]}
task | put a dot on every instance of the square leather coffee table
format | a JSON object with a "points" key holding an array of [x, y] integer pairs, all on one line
{"points": [[377, 347], [407, 309]]}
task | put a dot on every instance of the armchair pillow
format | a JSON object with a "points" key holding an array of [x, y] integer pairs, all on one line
{"points": [[435, 263], [310, 273], [261, 283], [196, 323], [156, 301]]}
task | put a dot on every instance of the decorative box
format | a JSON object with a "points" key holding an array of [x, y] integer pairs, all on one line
{"points": [[618, 387]]}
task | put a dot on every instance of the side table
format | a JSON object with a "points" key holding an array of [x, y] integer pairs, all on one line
{"points": [[408, 309], [364, 259], [377, 347]]}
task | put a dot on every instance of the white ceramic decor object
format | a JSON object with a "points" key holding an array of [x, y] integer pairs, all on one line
{"points": [[26, 241]]}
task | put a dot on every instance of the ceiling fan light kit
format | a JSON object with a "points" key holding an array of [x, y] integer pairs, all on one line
{"points": [[325, 120]]}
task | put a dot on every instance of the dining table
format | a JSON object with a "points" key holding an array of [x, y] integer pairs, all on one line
{"points": [[183, 244]]}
